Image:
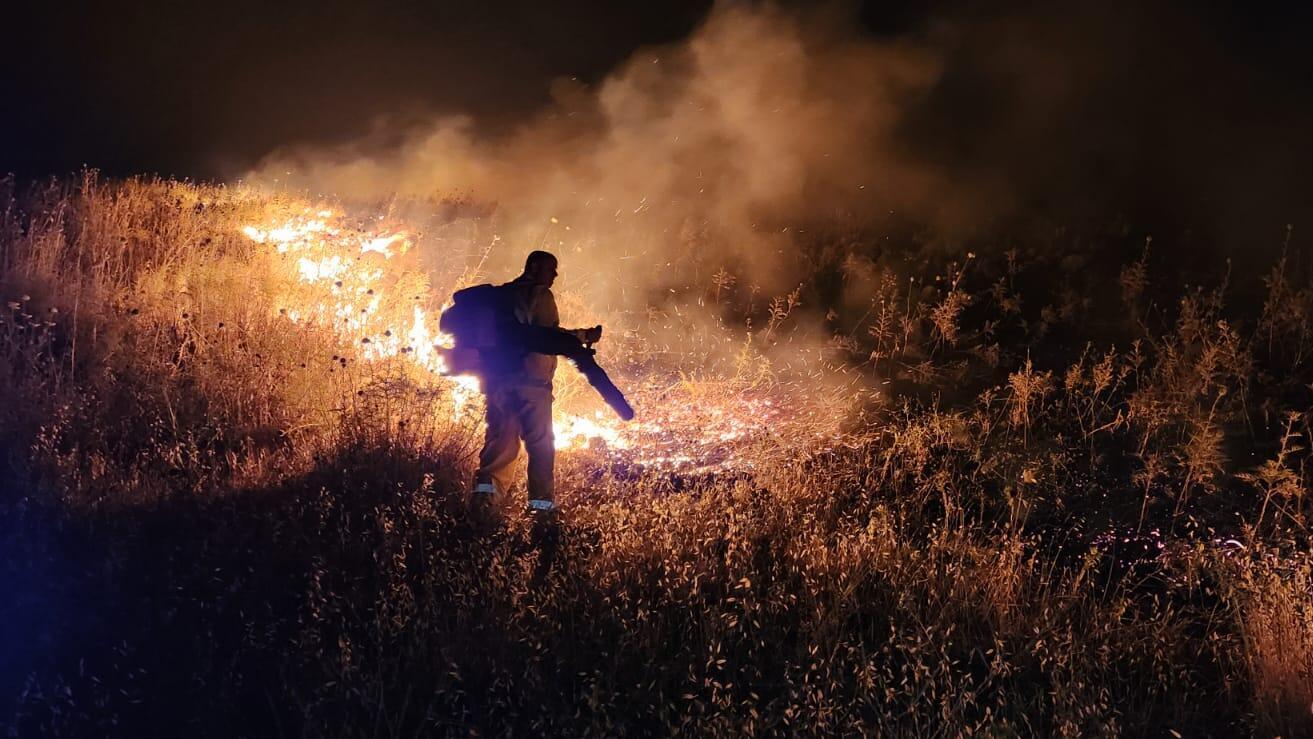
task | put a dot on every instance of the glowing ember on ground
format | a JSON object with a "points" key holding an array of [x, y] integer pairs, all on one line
{"points": [[348, 280]]}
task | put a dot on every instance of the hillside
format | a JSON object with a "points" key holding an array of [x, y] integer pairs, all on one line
{"points": [[930, 491]]}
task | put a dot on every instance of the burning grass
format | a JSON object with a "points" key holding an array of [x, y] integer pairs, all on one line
{"points": [[232, 500]]}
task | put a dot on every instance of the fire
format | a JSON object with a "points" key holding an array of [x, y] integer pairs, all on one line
{"points": [[346, 279], [382, 244], [343, 263]]}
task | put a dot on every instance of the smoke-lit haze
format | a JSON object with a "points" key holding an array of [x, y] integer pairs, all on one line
{"points": [[728, 143], [765, 125]]}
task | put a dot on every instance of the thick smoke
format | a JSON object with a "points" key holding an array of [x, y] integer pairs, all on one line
{"points": [[729, 149], [707, 155]]}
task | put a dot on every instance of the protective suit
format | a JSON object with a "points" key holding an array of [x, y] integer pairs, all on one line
{"points": [[515, 413], [518, 389]]}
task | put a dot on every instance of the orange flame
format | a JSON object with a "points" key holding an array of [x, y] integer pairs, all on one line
{"points": [[347, 279]]}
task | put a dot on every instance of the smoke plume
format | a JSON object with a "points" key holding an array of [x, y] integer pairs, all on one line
{"points": [[718, 154], [711, 153]]}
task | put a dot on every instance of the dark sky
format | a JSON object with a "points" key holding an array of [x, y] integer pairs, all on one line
{"points": [[192, 88], [205, 89]]}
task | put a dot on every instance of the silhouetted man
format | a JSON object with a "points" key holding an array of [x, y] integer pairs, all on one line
{"points": [[517, 384]]}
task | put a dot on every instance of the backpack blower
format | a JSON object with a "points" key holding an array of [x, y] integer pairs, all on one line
{"points": [[481, 320]]}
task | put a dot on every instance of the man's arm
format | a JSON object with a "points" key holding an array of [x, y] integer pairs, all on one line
{"points": [[571, 343], [546, 314]]}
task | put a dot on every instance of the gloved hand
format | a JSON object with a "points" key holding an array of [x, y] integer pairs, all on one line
{"points": [[590, 335]]}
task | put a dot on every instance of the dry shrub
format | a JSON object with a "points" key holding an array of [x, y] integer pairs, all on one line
{"points": [[1029, 388], [281, 522], [1275, 613]]}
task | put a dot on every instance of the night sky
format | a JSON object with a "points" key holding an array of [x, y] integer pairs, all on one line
{"points": [[204, 90]]}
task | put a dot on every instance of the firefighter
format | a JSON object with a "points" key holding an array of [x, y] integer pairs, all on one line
{"points": [[517, 386]]}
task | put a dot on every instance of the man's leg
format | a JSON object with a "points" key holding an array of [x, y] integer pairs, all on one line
{"points": [[535, 416], [536, 427], [501, 445]]}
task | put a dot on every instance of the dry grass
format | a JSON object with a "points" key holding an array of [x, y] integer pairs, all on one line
{"points": [[216, 526], [1277, 631]]}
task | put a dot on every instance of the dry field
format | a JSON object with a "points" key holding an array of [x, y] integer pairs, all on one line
{"points": [[1021, 494]]}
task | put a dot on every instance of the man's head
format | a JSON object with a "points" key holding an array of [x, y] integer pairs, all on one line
{"points": [[540, 268]]}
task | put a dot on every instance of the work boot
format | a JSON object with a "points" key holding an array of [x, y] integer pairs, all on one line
{"points": [[482, 508], [545, 523], [545, 536]]}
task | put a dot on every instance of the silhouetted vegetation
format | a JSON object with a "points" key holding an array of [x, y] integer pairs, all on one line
{"points": [[1078, 506]]}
